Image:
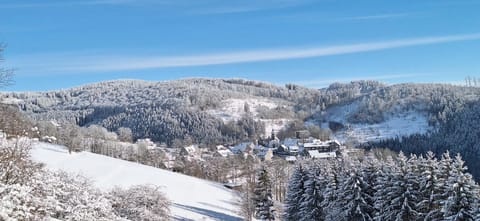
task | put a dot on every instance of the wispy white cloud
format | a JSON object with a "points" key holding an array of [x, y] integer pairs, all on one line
{"points": [[105, 63], [374, 17], [187, 6], [38, 4], [220, 7]]}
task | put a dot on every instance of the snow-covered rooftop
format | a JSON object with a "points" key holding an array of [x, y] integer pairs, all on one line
{"points": [[317, 155], [291, 158]]}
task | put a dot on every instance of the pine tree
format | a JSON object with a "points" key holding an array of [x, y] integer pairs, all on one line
{"points": [[439, 196], [370, 172], [264, 205], [398, 192], [462, 193], [428, 188], [411, 197], [329, 204], [354, 201], [383, 189], [313, 196], [296, 189]]}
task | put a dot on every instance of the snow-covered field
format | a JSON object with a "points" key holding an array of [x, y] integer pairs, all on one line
{"points": [[233, 109], [397, 124], [192, 198]]}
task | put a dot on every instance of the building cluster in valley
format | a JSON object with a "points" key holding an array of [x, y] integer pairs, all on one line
{"points": [[290, 149]]}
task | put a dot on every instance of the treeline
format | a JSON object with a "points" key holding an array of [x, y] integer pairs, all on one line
{"points": [[120, 144], [385, 188], [170, 124], [165, 111], [436, 100], [164, 107], [458, 134]]}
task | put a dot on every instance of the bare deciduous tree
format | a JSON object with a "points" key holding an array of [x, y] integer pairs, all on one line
{"points": [[12, 121], [16, 167], [125, 134]]}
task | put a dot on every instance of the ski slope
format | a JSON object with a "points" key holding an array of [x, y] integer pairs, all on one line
{"points": [[192, 198]]}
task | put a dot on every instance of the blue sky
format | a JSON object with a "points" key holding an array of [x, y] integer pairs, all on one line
{"points": [[55, 44]]}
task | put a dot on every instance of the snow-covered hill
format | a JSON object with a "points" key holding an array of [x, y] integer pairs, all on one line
{"points": [[192, 198], [396, 123], [234, 109], [200, 108]]}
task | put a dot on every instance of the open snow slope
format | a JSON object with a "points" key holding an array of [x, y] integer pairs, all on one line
{"points": [[234, 109], [402, 124], [192, 198], [397, 123]]}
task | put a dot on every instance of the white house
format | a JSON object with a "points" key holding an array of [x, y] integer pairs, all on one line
{"points": [[291, 159], [191, 150], [222, 151], [323, 155]]}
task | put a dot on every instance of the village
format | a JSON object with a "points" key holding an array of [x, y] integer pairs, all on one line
{"points": [[289, 149]]}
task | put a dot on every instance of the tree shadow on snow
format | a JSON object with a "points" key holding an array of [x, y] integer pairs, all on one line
{"points": [[217, 207], [214, 215]]}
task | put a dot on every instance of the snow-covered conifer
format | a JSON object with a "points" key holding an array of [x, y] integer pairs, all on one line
{"points": [[264, 205], [462, 194], [296, 189], [334, 177], [313, 196], [354, 201]]}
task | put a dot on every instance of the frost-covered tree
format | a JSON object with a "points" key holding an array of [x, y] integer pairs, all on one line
{"points": [[279, 171], [246, 198], [72, 197], [354, 200], [441, 172], [18, 203], [405, 188], [384, 184], [295, 192], [16, 167], [313, 196], [462, 194], [142, 202], [370, 172], [264, 204], [409, 173], [13, 122], [28, 192], [125, 134], [431, 188], [397, 192], [330, 202]]}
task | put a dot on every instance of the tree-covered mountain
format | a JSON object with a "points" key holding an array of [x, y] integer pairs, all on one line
{"points": [[188, 109], [460, 133]]}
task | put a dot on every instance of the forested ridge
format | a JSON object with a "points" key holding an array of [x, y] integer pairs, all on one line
{"points": [[178, 110], [460, 133]]}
